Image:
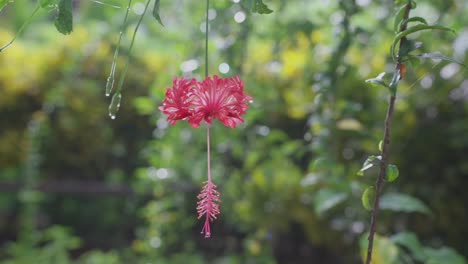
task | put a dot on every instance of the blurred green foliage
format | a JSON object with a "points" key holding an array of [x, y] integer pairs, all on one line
{"points": [[288, 177]]}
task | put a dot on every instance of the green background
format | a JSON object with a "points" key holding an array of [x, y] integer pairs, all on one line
{"points": [[78, 187]]}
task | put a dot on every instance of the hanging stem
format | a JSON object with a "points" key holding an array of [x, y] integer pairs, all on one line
{"points": [[208, 152], [110, 79], [21, 28], [124, 73], [206, 75], [206, 37], [386, 144]]}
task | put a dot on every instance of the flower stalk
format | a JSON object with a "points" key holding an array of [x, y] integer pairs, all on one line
{"points": [[203, 101], [208, 199]]}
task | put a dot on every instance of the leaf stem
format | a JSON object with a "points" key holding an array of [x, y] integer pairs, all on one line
{"points": [[21, 28], [386, 142]]}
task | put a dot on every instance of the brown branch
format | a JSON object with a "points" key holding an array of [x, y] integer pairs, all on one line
{"points": [[386, 144]]}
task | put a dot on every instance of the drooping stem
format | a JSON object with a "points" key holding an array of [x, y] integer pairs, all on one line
{"points": [[386, 143], [124, 73], [21, 28], [208, 152], [110, 79], [206, 37]]}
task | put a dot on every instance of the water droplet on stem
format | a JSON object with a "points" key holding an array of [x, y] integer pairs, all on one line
{"points": [[109, 85], [115, 104]]}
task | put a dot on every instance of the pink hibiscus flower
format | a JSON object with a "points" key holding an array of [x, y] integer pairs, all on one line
{"points": [[213, 98]]}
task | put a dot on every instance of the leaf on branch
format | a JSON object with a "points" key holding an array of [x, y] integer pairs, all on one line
{"points": [[368, 198], [403, 203], [409, 46], [438, 56], [384, 250], [398, 18], [378, 80], [257, 6], [64, 20], [156, 12], [412, 30], [369, 163], [411, 19], [392, 173], [394, 82]]}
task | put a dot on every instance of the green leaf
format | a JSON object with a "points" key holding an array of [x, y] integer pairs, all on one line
{"points": [[384, 251], [156, 12], [326, 199], [3, 3], [261, 8], [412, 19], [398, 18], [369, 163], [64, 20], [412, 30], [368, 198], [378, 80], [409, 46], [380, 145], [411, 242], [403, 203], [257, 6], [443, 255], [394, 82], [438, 56], [392, 173], [414, 61]]}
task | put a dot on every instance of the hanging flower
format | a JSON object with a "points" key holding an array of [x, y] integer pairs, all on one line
{"points": [[223, 99], [213, 98], [208, 206], [177, 102]]}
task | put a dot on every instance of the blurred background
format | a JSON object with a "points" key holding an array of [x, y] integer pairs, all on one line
{"points": [[79, 187]]}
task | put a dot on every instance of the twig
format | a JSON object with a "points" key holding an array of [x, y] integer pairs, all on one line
{"points": [[386, 145]]}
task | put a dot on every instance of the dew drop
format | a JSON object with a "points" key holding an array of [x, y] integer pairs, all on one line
{"points": [[115, 105], [109, 85]]}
